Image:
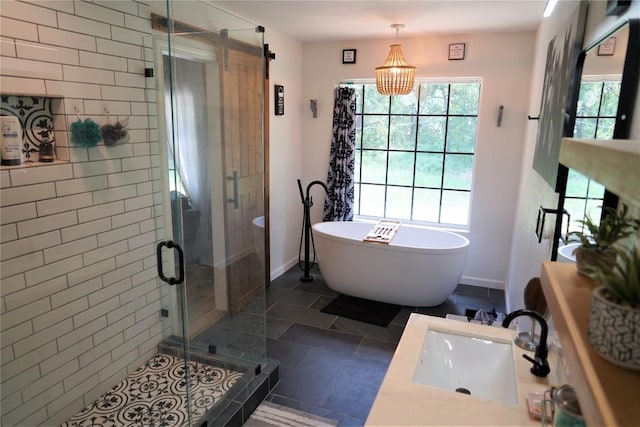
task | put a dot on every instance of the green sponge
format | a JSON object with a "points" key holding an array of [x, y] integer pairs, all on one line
{"points": [[86, 133]]}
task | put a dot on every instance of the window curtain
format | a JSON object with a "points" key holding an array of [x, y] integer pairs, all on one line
{"points": [[338, 204]]}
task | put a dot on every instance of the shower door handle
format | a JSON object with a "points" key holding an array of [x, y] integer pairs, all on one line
{"points": [[235, 200], [171, 245]]}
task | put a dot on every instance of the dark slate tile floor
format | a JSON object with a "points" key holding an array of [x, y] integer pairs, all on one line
{"points": [[333, 366]]}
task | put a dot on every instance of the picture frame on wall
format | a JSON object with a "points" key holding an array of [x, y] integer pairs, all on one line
{"points": [[349, 56], [607, 47], [456, 51]]}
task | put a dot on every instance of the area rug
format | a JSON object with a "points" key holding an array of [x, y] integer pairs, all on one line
{"points": [[271, 414], [363, 310]]}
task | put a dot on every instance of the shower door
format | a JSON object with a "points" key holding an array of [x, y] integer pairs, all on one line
{"points": [[210, 144]]}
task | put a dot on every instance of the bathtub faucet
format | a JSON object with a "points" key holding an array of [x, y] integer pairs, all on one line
{"points": [[540, 366], [307, 201]]}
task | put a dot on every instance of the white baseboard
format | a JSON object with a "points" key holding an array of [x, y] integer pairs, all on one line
{"points": [[485, 283], [275, 273]]}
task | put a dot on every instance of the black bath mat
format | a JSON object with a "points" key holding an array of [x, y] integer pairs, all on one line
{"points": [[363, 310]]}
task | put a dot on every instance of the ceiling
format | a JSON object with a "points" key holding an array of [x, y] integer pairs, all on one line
{"points": [[326, 20]]}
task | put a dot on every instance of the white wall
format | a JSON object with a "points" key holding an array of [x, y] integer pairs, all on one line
{"points": [[504, 62], [285, 152], [527, 254]]}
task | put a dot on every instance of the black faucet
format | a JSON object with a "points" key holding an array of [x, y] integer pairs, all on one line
{"points": [[307, 201], [540, 366]]}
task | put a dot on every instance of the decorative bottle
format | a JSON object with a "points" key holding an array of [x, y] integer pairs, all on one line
{"points": [[46, 149]]}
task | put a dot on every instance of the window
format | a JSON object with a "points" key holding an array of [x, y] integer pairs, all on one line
{"points": [[414, 153], [595, 119]]}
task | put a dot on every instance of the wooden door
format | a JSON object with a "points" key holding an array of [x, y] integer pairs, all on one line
{"points": [[242, 85]]}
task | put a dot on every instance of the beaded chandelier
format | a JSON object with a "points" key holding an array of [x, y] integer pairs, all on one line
{"points": [[395, 76]]}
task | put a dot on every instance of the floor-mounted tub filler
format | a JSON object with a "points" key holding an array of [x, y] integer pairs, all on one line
{"points": [[420, 267]]}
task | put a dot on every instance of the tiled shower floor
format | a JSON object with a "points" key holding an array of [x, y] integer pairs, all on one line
{"points": [[155, 394]]}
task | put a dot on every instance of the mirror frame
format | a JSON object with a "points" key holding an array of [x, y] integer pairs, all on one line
{"points": [[624, 114]]}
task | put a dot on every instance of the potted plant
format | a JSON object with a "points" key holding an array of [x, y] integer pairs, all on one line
{"points": [[597, 245], [614, 320]]}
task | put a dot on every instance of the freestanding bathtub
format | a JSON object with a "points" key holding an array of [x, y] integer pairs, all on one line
{"points": [[420, 267]]}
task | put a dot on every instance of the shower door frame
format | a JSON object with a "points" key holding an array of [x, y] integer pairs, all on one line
{"points": [[205, 47], [242, 102]]}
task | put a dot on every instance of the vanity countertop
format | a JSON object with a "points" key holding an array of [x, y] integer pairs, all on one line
{"points": [[401, 402]]}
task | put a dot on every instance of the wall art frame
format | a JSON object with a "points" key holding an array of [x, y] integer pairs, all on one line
{"points": [[457, 51], [349, 56], [558, 89], [607, 47]]}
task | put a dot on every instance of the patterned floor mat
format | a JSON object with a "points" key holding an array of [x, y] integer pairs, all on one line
{"points": [[155, 394]]}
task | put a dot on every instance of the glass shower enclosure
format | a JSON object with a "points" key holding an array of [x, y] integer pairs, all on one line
{"points": [[209, 89], [136, 293]]}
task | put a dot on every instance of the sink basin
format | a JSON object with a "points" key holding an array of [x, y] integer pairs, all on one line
{"points": [[482, 366]]}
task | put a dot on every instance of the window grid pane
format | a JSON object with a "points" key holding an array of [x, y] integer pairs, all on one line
{"points": [[414, 153], [370, 197], [398, 204], [402, 133], [401, 167], [426, 205], [455, 207], [431, 132], [461, 134], [458, 171]]}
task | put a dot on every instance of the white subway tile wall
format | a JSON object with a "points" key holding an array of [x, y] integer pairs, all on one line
{"points": [[18, 30], [48, 53], [88, 75], [22, 85], [67, 38], [7, 47], [28, 176], [79, 297], [29, 68], [5, 181]]}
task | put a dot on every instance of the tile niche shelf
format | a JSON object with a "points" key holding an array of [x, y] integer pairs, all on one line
{"points": [[607, 393], [37, 112], [33, 165]]}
